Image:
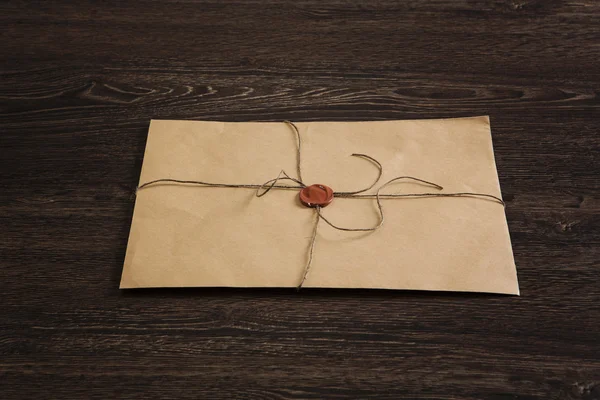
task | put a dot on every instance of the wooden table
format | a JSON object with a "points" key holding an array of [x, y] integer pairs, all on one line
{"points": [[79, 83]]}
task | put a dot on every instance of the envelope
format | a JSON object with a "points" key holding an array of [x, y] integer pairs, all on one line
{"points": [[189, 235]]}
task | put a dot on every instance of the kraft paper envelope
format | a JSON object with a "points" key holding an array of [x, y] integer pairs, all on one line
{"points": [[190, 235]]}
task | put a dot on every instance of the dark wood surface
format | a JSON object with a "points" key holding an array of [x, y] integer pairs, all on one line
{"points": [[79, 82]]}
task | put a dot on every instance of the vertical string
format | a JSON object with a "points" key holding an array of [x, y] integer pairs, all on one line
{"points": [[311, 247], [298, 149], [313, 239]]}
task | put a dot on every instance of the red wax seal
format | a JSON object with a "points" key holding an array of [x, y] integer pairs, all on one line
{"points": [[316, 195]]}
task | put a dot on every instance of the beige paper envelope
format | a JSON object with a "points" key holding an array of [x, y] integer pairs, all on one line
{"points": [[189, 235]]}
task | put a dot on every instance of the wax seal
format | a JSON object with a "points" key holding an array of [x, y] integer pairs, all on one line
{"points": [[316, 196]]}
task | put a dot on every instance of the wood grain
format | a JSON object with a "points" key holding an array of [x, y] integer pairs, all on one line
{"points": [[79, 82]]}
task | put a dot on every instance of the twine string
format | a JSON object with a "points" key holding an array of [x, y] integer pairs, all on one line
{"points": [[271, 184], [298, 148], [268, 185], [311, 247], [222, 185], [379, 206], [380, 172]]}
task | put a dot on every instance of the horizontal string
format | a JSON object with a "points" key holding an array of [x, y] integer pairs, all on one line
{"points": [[408, 195], [221, 185]]}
